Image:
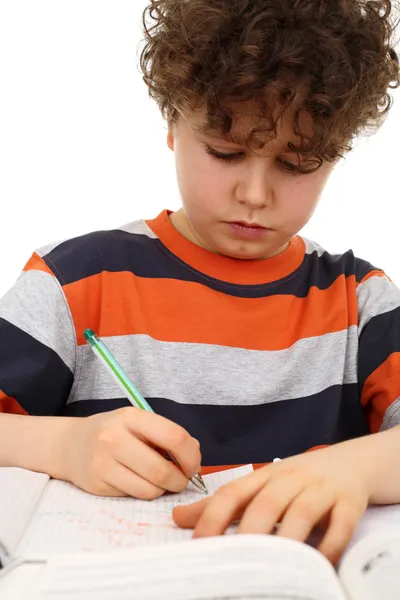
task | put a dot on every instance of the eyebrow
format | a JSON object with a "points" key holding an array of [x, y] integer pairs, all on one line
{"points": [[204, 129]]}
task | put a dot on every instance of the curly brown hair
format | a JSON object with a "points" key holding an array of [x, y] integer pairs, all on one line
{"points": [[333, 58]]}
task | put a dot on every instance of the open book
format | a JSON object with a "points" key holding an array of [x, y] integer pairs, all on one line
{"points": [[57, 541]]}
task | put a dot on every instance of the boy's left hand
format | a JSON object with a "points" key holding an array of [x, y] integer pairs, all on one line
{"points": [[331, 485]]}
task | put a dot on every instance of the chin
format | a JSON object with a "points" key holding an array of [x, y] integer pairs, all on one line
{"points": [[243, 255]]}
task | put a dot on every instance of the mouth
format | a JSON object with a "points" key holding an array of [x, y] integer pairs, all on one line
{"points": [[247, 225], [247, 231]]}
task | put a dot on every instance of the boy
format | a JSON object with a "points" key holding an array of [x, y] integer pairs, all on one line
{"points": [[249, 341]]}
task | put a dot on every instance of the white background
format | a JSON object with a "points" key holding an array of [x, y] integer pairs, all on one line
{"points": [[82, 147]]}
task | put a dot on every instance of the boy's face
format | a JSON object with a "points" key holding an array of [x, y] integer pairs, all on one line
{"points": [[255, 189]]}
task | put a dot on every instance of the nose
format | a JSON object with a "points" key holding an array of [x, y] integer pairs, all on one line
{"points": [[254, 188]]}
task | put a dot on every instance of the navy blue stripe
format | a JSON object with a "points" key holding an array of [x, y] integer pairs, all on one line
{"points": [[378, 340], [257, 434], [116, 251], [32, 373]]}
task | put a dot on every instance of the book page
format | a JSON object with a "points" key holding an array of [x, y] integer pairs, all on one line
{"points": [[20, 492], [70, 520], [376, 518], [223, 567], [371, 569], [17, 580]]}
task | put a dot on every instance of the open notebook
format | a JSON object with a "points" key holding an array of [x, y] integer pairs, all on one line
{"points": [[57, 541]]}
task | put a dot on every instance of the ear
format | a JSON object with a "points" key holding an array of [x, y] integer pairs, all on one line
{"points": [[170, 137]]}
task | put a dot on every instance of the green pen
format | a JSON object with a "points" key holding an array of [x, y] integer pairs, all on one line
{"points": [[128, 388]]}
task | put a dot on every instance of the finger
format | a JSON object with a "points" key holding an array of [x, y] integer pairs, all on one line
{"points": [[149, 464], [344, 519], [186, 516], [227, 502], [266, 508], [127, 483], [306, 510], [167, 435]]}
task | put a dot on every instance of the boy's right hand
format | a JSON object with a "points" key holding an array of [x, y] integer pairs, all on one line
{"points": [[113, 454]]}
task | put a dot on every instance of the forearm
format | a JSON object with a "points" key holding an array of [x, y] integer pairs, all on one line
{"points": [[379, 453], [34, 443]]}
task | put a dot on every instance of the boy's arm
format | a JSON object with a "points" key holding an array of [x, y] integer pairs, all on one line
{"points": [[379, 382], [381, 453], [378, 369], [109, 454], [35, 443], [37, 363], [338, 481], [37, 344], [300, 492]]}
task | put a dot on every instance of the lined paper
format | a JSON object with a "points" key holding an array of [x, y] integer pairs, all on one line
{"points": [[70, 520], [20, 491]]}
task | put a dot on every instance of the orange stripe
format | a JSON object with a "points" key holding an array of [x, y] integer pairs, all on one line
{"points": [[194, 313], [318, 447], [35, 263], [223, 267], [374, 273], [219, 468], [10, 405], [380, 389]]}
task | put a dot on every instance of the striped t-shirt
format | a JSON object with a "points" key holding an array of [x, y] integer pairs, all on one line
{"points": [[255, 358]]}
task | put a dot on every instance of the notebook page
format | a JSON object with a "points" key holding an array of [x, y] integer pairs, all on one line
{"points": [[70, 520], [20, 491], [207, 569]]}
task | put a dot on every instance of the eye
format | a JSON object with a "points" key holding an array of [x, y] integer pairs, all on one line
{"points": [[231, 157], [289, 166], [220, 156]]}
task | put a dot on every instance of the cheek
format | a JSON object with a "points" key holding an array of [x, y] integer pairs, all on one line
{"points": [[201, 182], [209, 176], [299, 202]]}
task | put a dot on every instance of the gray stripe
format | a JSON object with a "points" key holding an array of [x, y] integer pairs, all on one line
{"points": [[37, 305], [313, 247], [139, 227], [392, 416], [376, 296], [220, 375], [48, 248]]}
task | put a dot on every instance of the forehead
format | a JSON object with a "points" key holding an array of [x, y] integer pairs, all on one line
{"points": [[247, 117]]}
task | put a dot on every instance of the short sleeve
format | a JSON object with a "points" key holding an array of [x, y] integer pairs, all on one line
{"points": [[37, 344], [379, 350]]}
